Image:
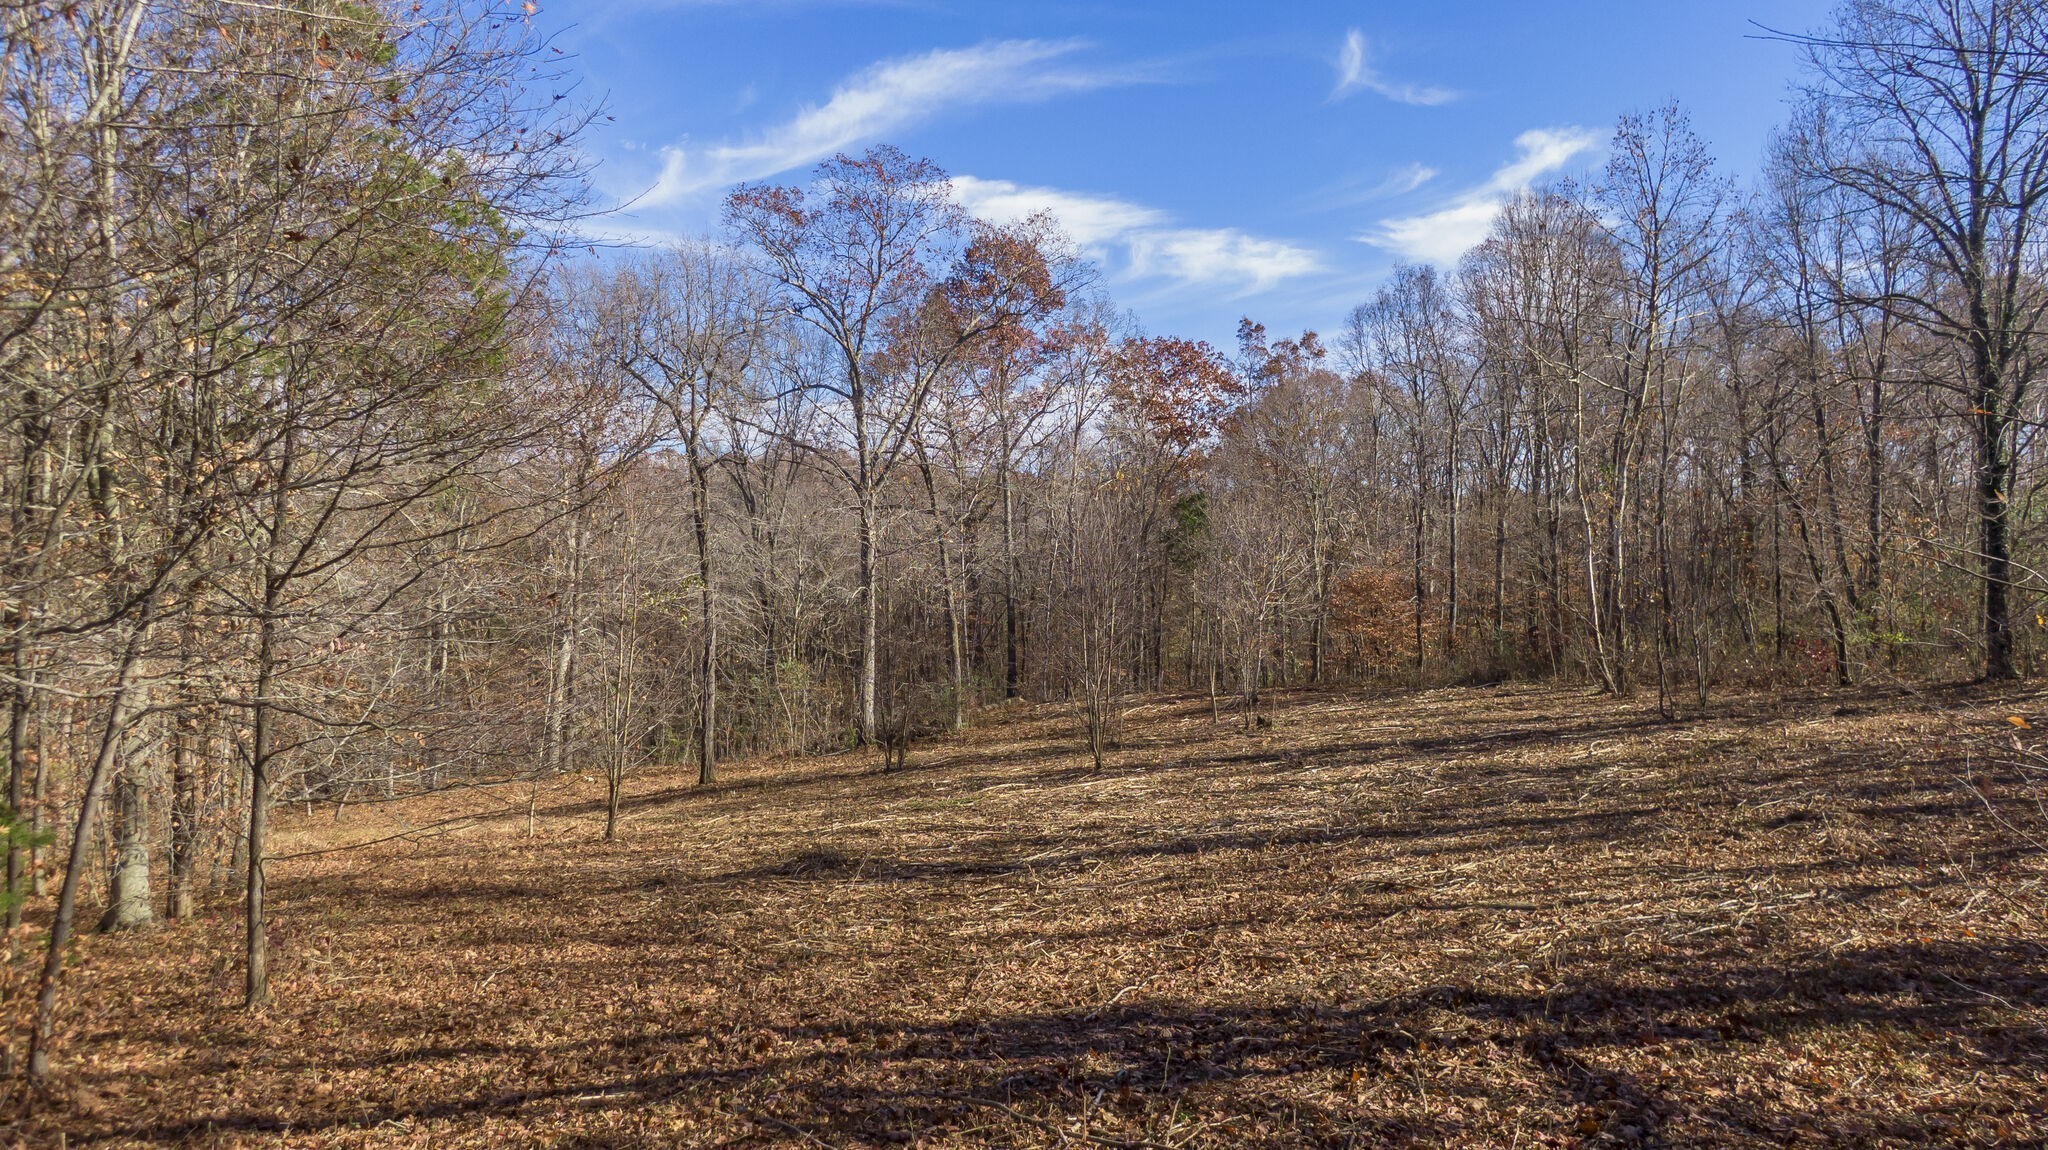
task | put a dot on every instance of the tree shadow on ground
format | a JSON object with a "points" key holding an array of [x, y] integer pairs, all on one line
{"points": [[1688, 1042], [1146, 1073]]}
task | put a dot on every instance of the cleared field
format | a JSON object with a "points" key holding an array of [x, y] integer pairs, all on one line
{"points": [[1518, 916]]}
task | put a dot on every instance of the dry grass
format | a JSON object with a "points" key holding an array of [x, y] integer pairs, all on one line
{"points": [[1511, 917]]}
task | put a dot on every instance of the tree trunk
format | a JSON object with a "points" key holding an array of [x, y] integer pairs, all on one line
{"points": [[956, 627], [1011, 664], [562, 687], [1455, 500], [614, 787], [1420, 588], [1992, 510], [121, 711], [707, 669], [19, 701], [870, 611], [184, 814], [1320, 624], [128, 901], [1500, 579], [956, 622], [256, 985]]}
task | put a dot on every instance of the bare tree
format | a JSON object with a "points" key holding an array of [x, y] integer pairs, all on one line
{"points": [[693, 321], [895, 276], [1939, 113]]}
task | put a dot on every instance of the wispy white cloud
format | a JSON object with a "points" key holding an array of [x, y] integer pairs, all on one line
{"points": [[1368, 187], [1403, 180], [1441, 236], [1144, 242], [1355, 73], [1092, 221], [887, 97], [1219, 256]]}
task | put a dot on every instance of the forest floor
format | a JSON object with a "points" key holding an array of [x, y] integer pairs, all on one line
{"points": [[1511, 916]]}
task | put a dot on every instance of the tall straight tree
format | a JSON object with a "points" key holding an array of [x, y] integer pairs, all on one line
{"points": [[691, 322], [1417, 360], [1663, 202], [1940, 114], [901, 282]]}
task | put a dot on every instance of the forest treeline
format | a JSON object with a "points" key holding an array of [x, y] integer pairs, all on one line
{"points": [[339, 467]]}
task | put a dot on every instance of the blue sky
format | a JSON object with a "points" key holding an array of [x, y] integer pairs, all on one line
{"points": [[1218, 159]]}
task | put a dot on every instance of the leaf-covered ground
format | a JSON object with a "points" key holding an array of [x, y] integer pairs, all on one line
{"points": [[1519, 916]]}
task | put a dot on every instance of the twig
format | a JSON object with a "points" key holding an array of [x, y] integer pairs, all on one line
{"points": [[1118, 997], [799, 1131], [1976, 990], [415, 832], [1053, 1128]]}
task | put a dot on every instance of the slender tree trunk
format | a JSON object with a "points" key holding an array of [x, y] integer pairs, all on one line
{"points": [[1667, 589], [1838, 619], [1604, 657], [562, 687], [707, 670], [870, 612], [184, 813], [1830, 484], [956, 627], [1778, 583], [256, 985], [1012, 669], [18, 714], [120, 713], [1617, 588], [614, 788], [1873, 508], [956, 632], [38, 788], [1455, 500], [1421, 587], [1500, 578], [1319, 624]]}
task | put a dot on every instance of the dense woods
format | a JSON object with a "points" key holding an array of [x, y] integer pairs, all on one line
{"points": [[338, 467]]}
